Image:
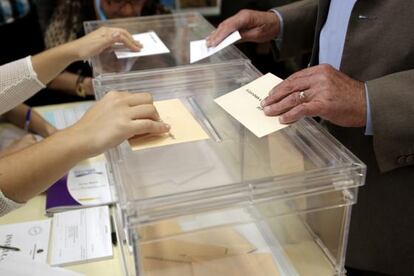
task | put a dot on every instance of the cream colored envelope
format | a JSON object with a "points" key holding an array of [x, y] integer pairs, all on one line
{"points": [[184, 128]]}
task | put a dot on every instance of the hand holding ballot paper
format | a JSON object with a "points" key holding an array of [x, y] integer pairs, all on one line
{"points": [[244, 104], [152, 45], [184, 128], [200, 50]]}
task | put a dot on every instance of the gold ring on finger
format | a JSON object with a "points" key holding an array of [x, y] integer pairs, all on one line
{"points": [[302, 96]]}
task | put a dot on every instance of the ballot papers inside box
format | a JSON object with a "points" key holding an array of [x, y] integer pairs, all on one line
{"points": [[173, 34], [212, 198]]}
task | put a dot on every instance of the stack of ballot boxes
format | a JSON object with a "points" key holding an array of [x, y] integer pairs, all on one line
{"points": [[210, 197]]}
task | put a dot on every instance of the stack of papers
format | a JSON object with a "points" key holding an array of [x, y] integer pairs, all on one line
{"points": [[30, 240], [17, 266], [80, 236]]}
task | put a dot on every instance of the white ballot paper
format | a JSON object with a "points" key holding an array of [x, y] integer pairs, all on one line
{"points": [[17, 266], [152, 45], [30, 238], [244, 105], [81, 235], [199, 49]]}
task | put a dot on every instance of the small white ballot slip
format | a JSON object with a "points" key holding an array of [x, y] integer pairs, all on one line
{"points": [[199, 49], [152, 45]]}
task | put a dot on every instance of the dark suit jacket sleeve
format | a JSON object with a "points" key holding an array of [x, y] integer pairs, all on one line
{"points": [[392, 109], [299, 21]]}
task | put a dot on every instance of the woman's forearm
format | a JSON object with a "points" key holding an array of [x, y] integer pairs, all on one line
{"points": [[50, 63], [38, 124], [32, 170]]}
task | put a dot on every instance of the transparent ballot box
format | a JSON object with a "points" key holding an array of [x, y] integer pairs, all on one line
{"points": [[176, 31], [229, 203]]}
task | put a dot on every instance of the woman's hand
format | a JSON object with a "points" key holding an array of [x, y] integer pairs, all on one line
{"points": [[97, 41], [38, 125], [52, 62], [115, 118]]}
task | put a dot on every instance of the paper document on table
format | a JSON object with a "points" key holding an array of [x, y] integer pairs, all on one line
{"points": [[85, 185], [244, 105], [152, 45], [10, 133], [17, 266], [184, 128], [80, 236], [30, 238], [65, 117], [199, 49]]}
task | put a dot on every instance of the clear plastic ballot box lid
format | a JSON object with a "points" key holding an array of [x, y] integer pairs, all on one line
{"points": [[176, 31], [232, 166]]}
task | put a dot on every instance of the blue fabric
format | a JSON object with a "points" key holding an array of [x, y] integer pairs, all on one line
{"points": [[6, 9], [279, 38], [168, 3], [23, 7], [332, 37], [101, 13], [332, 40], [368, 128]]}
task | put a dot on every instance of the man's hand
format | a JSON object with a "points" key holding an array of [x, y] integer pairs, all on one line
{"points": [[319, 91], [254, 26]]}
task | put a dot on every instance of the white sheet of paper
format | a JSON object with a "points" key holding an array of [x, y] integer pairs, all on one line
{"points": [[152, 45], [32, 238], [199, 49], [81, 235], [17, 266], [244, 105], [64, 117]]}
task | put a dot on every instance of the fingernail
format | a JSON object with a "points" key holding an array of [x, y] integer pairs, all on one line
{"points": [[266, 109], [168, 126], [282, 120], [115, 34], [263, 103]]}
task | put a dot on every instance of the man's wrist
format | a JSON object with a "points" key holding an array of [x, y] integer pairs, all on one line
{"points": [[279, 24], [368, 125]]}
